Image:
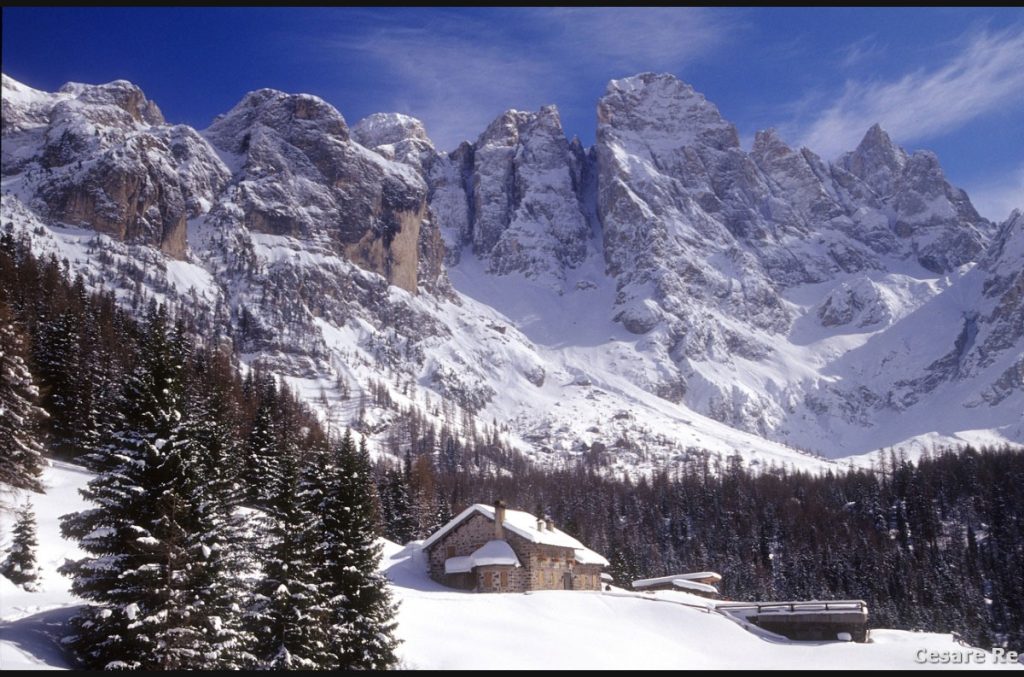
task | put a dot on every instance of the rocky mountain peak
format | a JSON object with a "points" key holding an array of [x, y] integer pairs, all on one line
{"points": [[381, 129], [504, 129], [1007, 245], [877, 161], [397, 137], [769, 146], [290, 115], [23, 106], [748, 280], [663, 108], [120, 93]]}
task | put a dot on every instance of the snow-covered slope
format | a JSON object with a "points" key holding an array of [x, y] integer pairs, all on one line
{"points": [[661, 292], [443, 628], [30, 621]]}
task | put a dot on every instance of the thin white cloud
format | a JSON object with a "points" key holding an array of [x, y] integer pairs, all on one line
{"points": [[458, 73], [455, 85], [639, 38], [986, 75], [860, 52], [997, 196]]}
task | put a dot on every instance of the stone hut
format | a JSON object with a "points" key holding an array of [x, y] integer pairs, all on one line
{"points": [[494, 549]]}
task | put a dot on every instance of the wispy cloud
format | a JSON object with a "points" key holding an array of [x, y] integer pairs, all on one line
{"points": [[862, 51], [633, 38], [997, 196], [985, 75], [458, 73]]}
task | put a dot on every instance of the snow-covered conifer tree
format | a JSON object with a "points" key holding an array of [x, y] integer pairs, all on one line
{"points": [[20, 564]]}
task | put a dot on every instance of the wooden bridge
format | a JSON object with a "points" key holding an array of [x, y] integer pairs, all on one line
{"points": [[809, 621]]}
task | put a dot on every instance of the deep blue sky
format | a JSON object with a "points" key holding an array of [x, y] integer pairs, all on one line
{"points": [[947, 79]]}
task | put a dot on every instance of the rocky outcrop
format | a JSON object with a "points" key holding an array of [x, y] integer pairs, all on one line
{"points": [[1002, 304], [513, 197], [858, 302], [102, 158], [932, 221], [397, 137], [302, 176]]}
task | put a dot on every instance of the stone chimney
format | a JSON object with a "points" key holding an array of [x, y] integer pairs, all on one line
{"points": [[499, 520], [540, 525], [551, 522]]}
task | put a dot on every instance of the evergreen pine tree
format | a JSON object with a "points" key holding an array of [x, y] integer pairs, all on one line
{"points": [[289, 615], [362, 618], [21, 455], [261, 457], [209, 630], [20, 564], [59, 366], [137, 537]]}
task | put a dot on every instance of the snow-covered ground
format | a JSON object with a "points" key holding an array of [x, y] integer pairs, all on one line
{"points": [[447, 629], [30, 621]]}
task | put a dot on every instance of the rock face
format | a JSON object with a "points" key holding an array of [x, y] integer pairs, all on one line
{"points": [[302, 176], [105, 159], [931, 218], [664, 279], [516, 196], [1001, 313]]}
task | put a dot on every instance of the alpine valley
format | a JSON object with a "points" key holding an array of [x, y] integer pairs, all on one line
{"points": [[662, 292]]}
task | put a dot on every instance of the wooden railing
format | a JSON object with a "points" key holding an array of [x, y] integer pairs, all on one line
{"points": [[854, 605]]}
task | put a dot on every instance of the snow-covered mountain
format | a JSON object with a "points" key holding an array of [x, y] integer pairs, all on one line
{"points": [[662, 291]]}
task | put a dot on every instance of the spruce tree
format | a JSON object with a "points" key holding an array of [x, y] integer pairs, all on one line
{"points": [[20, 564], [206, 629], [362, 613], [21, 456], [138, 536], [289, 614], [398, 521], [261, 457], [58, 358]]}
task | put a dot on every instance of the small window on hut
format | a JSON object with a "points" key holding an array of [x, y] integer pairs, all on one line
{"points": [[449, 551], [488, 580]]}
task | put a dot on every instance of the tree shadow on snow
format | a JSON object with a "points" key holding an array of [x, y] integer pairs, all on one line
{"points": [[39, 635]]}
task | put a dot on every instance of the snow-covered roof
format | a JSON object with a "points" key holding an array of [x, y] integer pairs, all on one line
{"points": [[458, 565], [663, 580], [694, 585], [489, 554], [525, 525]]}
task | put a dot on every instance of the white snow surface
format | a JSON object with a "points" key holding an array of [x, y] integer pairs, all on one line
{"points": [[695, 576], [443, 628], [684, 584], [489, 554]]}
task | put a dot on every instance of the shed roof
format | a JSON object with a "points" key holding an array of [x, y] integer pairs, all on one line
{"points": [[665, 580], [489, 554]]}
